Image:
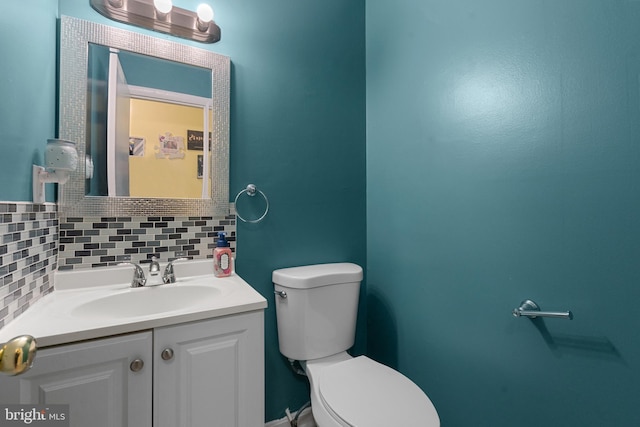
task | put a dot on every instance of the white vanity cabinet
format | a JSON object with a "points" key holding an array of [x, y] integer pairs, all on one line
{"points": [[95, 378], [210, 373], [207, 373]]}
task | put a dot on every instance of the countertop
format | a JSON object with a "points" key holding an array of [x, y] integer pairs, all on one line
{"points": [[52, 320]]}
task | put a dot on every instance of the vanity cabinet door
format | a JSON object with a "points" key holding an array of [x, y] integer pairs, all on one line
{"points": [[210, 373], [95, 378]]}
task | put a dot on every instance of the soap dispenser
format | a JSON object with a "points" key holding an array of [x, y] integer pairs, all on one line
{"points": [[222, 257]]}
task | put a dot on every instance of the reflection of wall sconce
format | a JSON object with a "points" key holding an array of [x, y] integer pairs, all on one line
{"points": [[162, 16], [60, 158]]}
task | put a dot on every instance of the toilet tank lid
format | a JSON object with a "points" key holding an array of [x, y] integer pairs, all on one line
{"points": [[312, 276]]}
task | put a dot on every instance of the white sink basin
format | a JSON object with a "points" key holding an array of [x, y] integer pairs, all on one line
{"points": [[93, 303], [145, 301]]}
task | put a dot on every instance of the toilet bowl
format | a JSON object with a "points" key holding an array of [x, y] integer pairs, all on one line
{"points": [[358, 391], [316, 308]]}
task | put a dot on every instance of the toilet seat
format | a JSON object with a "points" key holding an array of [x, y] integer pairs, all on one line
{"points": [[360, 392]]}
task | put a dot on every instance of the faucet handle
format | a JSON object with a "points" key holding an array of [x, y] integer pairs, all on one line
{"points": [[169, 276], [138, 275]]}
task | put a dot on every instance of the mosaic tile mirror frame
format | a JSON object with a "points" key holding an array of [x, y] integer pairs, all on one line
{"points": [[76, 34]]}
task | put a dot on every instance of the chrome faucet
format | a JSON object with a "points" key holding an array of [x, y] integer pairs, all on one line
{"points": [[169, 276], [138, 275], [154, 267]]}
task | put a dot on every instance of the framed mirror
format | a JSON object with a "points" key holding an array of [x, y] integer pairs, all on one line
{"points": [[164, 145]]}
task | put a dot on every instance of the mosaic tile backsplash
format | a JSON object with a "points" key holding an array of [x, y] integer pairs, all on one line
{"points": [[101, 241], [28, 254], [36, 241]]}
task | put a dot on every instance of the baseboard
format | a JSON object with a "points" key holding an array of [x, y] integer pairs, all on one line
{"points": [[304, 420]]}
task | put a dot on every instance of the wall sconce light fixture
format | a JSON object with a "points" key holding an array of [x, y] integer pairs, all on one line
{"points": [[60, 159], [163, 8], [162, 16]]}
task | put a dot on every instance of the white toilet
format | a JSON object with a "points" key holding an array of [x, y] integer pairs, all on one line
{"points": [[316, 308]]}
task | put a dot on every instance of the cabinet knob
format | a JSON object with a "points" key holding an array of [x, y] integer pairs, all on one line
{"points": [[167, 354], [136, 365]]}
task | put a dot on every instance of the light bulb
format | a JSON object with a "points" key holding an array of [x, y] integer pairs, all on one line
{"points": [[205, 13], [163, 6]]}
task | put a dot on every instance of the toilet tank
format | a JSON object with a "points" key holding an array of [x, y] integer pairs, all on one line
{"points": [[318, 316]]}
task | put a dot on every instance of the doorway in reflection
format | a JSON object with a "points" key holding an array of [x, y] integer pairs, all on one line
{"points": [[142, 112]]}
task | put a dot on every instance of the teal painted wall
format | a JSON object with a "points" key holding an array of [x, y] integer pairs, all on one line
{"points": [[141, 70], [27, 86], [297, 132], [503, 140]]}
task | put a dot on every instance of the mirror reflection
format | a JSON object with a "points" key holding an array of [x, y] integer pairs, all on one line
{"points": [[146, 126], [91, 192]]}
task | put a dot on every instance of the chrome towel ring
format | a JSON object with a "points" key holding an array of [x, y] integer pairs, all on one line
{"points": [[251, 191]]}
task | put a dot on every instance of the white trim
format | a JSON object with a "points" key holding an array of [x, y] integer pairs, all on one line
{"points": [[152, 94], [305, 420], [114, 70], [205, 148]]}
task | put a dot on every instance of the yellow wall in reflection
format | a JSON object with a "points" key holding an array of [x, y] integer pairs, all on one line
{"points": [[151, 175]]}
